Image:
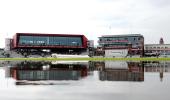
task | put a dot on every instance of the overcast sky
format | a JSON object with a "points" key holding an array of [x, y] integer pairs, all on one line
{"points": [[92, 18]]}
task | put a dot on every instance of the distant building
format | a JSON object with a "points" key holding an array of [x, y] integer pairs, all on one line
{"points": [[132, 43], [8, 44], [160, 49], [90, 45], [157, 48]]}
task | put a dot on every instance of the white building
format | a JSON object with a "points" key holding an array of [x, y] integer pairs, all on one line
{"points": [[157, 48], [8, 43]]}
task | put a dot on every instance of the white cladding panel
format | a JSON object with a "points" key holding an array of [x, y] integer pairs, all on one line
{"points": [[116, 53], [7, 44], [116, 65]]}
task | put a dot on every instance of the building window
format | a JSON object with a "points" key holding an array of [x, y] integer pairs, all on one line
{"points": [[146, 48], [126, 38], [108, 39]]}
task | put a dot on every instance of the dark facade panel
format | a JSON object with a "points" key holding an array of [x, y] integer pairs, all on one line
{"points": [[48, 75], [30, 40]]}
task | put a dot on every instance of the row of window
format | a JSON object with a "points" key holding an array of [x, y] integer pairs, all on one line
{"points": [[45, 40], [135, 45], [110, 45], [120, 38], [114, 43], [37, 75], [121, 43], [158, 51], [156, 47]]}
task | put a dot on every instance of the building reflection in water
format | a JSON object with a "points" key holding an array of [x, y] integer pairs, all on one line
{"points": [[120, 71], [158, 67], [107, 71], [36, 71]]}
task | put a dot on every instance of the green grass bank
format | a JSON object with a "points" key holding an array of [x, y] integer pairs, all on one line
{"points": [[84, 59]]}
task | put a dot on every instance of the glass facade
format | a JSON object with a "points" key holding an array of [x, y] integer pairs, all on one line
{"points": [[50, 41], [48, 75]]}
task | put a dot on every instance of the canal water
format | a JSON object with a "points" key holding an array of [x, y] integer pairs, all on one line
{"points": [[84, 80]]}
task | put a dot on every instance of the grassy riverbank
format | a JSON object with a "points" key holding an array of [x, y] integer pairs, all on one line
{"points": [[92, 59]]}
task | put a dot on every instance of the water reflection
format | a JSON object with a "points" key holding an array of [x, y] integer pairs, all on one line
{"points": [[122, 71], [159, 67], [38, 73]]}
